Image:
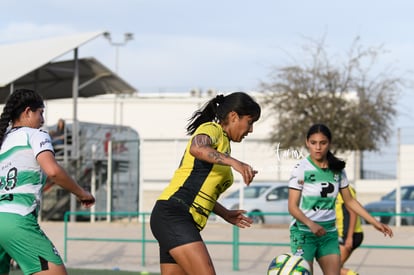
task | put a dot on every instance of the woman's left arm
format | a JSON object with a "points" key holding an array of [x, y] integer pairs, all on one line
{"points": [[354, 205], [351, 228], [235, 217]]}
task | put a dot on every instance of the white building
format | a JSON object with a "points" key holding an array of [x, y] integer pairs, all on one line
{"points": [[160, 120]]}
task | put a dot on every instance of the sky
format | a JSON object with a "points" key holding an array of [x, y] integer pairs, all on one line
{"points": [[226, 45]]}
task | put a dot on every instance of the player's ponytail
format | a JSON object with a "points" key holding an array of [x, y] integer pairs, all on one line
{"points": [[335, 164], [220, 106]]}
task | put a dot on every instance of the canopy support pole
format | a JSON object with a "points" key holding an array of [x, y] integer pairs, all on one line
{"points": [[75, 131]]}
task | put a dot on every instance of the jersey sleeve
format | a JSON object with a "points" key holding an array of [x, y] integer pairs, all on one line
{"points": [[212, 130], [344, 180], [40, 141], [297, 176]]}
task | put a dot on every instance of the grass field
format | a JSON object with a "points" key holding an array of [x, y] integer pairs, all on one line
{"points": [[94, 272]]}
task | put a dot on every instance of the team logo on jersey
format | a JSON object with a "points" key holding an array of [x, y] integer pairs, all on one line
{"points": [[327, 188], [299, 251], [222, 187], [310, 178], [44, 142], [55, 251]]}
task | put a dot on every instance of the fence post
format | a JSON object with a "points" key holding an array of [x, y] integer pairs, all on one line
{"points": [[236, 247], [65, 238], [144, 240]]}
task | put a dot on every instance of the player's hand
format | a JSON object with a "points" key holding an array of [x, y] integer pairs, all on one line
{"points": [[317, 229], [237, 218], [86, 199], [348, 244], [247, 172], [384, 229]]}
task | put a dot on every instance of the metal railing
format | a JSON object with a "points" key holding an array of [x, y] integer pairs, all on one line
{"points": [[235, 241], [143, 240]]}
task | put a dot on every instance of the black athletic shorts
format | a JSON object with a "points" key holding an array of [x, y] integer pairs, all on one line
{"points": [[357, 239], [172, 225]]}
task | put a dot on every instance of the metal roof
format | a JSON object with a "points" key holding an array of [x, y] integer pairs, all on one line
{"points": [[30, 65]]}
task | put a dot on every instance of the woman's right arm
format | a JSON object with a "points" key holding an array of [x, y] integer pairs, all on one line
{"points": [[296, 212], [201, 148], [57, 174]]}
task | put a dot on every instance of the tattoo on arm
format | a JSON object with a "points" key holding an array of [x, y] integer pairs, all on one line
{"points": [[202, 140], [205, 141], [216, 156]]}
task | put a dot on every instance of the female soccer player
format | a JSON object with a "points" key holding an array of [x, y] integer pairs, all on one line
{"points": [[26, 160], [313, 188], [205, 172], [350, 231]]}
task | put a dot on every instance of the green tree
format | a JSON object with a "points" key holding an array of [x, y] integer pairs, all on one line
{"points": [[352, 97]]}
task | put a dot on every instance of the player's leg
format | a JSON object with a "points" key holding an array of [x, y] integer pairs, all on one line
{"points": [[328, 253], [303, 244], [330, 264], [168, 265], [175, 230], [172, 269], [53, 269], [193, 258], [186, 259], [345, 253], [5, 262], [29, 246]]}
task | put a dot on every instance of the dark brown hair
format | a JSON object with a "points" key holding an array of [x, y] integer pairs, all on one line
{"points": [[16, 103], [220, 106], [334, 164]]}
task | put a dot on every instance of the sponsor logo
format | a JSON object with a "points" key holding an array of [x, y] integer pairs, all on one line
{"points": [[44, 142], [6, 165]]}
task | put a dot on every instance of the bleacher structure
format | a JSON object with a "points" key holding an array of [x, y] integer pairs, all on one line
{"points": [[104, 159]]}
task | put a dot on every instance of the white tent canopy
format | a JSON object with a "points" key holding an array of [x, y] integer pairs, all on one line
{"points": [[30, 65]]}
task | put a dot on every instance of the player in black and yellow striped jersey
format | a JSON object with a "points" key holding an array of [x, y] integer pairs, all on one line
{"points": [[205, 171], [350, 231]]}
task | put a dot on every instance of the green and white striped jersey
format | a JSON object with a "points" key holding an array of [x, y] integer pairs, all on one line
{"points": [[319, 190], [21, 178]]}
